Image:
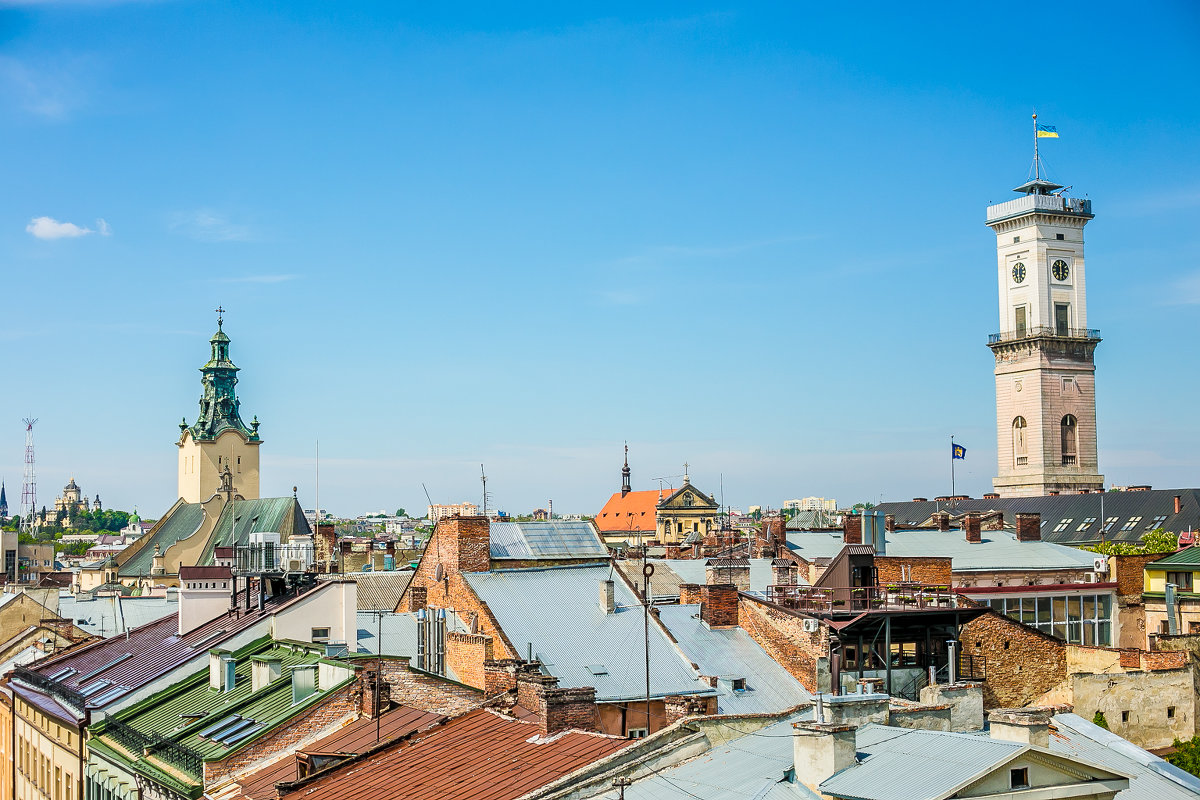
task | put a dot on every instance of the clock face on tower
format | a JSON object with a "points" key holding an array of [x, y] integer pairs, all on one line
{"points": [[1018, 272], [1060, 270]]}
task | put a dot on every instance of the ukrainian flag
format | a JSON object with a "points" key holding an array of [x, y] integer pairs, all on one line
{"points": [[1046, 131], [958, 451]]}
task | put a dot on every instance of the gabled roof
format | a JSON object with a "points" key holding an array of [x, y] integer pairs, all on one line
{"points": [[1078, 508], [545, 540], [180, 522], [241, 518], [355, 738], [688, 487], [480, 755], [1151, 778], [378, 591], [729, 653], [633, 513], [555, 611]]}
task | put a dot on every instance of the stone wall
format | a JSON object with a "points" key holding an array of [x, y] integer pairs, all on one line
{"points": [[804, 655], [965, 702], [1149, 708], [930, 570], [1020, 663]]}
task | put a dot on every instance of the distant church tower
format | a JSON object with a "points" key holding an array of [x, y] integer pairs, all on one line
{"points": [[1045, 367], [219, 440]]}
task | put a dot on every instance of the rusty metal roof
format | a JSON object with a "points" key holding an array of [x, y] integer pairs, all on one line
{"points": [[480, 755], [357, 737]]}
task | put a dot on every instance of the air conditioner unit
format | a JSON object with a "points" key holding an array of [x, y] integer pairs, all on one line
{"points": [[812, 625], [295, 565], [1100, 564]]}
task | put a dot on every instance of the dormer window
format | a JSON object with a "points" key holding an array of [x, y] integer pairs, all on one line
{"points": [[1018, 778], [739, 684]]}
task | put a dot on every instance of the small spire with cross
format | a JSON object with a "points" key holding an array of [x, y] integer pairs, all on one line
{"points": [[220, 315], [686, 479]]}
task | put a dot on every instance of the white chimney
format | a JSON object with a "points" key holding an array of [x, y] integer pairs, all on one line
{"points": [[608, 596], [820, 751], [263, 671], [1029, 725], [205, 593]]}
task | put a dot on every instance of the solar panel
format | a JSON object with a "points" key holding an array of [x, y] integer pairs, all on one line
{"points": [[224, 737], [218, 725], [243, 734]]}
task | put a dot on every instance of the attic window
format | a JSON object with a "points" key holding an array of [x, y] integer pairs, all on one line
{"points": [[597, 669], [1131, 524], [1059, 236], [1087, 523], [1062, 526], [1018, 778], [1157, 522], [739, 684]]}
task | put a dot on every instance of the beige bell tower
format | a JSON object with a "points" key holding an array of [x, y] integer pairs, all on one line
{"points": [[1045, 367], [219, 440]]}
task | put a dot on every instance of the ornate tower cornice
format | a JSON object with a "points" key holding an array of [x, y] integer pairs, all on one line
{"points": [[219, 405]]}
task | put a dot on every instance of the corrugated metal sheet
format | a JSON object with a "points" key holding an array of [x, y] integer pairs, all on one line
{"points": [[999, 549], [555, 611], [180, 523], [901, 764], [1153, 778], [480, 755], [1077, 508], [354, 738], [1188, 556], [526, 540], [693, 571], [750, 766], [378, 591], [731, 653], [99, 616]]}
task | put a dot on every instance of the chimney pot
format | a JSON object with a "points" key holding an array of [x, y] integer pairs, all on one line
{"points": [[1029, 725], [1178, 503], [608, 596], [819, 751]]}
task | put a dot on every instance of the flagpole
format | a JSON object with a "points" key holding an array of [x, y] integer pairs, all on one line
{"points": [[953, 503], [1037, 163]]}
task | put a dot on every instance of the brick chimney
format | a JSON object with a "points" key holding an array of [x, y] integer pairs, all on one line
{"points": [[608, 596], [557, 709], [465, 543], [500, 675], [784, 572], [1178, 503], [991, 496], [689, 594], [372, 687], [973, 526], [1029, 527], [678, 706], [852, 529], [719, 605], [728, 570], [942, 518], [416, 596], [889, 523]]}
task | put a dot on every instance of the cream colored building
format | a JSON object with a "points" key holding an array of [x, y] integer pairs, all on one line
{"points": [[1045, 368], [440, 510], [684, 512], [219, 439]]}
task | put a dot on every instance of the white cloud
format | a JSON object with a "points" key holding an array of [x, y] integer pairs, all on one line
{"points": [[50, 228], [206, 225]]}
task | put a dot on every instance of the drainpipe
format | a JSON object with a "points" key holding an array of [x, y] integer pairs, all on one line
{"points": [[952, 667]]}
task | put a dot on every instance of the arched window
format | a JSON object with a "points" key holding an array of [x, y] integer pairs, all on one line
{"points": [[1020, 444], [1069, 423]]}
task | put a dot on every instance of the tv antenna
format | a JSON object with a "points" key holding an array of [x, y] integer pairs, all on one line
{"points": [[483, 477], [29, 487]]}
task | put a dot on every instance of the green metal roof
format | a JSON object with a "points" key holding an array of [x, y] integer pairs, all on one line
{"points": [[243, 517], [1187, 557], [179, 523], [252, 714]]}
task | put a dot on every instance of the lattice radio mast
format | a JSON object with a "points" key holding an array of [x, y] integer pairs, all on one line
{"points": [[29, 487]]}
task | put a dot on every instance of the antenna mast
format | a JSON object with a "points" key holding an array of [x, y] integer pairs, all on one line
{"points": [[29, 488], [483, 477]]}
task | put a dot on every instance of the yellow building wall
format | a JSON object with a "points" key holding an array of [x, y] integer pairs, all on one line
{"points": [[1156, 580], [48, 756], [201, 464]]}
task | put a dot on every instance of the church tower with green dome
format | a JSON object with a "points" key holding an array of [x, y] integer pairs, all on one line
{"points": [[219, 440]]}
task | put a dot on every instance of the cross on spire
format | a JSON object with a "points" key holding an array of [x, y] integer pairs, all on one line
{"points": [[220, 315]]}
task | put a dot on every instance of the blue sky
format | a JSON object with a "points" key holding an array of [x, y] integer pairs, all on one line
{"points": [[746, 237]]}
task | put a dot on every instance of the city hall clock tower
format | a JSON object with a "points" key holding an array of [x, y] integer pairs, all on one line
{"points": [[1045, 367]]}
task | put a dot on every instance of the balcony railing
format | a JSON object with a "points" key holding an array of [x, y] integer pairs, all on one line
{"points": [[856, 599], [1044, 330], [1039, 202]]}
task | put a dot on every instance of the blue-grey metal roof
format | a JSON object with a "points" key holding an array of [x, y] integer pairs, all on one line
{"points": [[1055, 509], [730, 653], [180, 522], [999, 550], [1152, 778], [556, 613], [101, 616], [399, 630], [557, 539], [692, 571], [750, 767]]}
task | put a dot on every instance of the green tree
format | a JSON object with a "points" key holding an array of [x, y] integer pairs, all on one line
{"points": [[863, 506], [400, 512], [1186, 755], [73, 548], [1099, 721], [1155, 541]]}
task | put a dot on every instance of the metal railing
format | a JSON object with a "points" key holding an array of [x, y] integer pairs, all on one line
{"points": [[144, 744], [856, 599], [1040, 331], [51, 687], [970, 668], [1039, 202]]}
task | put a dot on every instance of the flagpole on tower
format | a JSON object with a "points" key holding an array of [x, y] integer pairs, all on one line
{"points": [[1037, 162], [952, 500]]}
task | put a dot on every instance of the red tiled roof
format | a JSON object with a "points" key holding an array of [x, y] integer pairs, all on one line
{"points": [[632, 513], [356, 737], [480, 755]]}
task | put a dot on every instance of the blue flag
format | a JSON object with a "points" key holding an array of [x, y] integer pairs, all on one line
{"points": [[958, 451]]}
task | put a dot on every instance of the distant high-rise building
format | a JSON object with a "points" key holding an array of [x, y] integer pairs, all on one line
{"points": [[1045, 367]]}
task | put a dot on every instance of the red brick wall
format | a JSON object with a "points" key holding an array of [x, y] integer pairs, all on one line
{"points": [[465, 654], [852, 529], [783, 636], [689, 594], [720, 605], [416, 690], [1159, 659], [1129, 572], [678, 706], [1021, 663], [932, 570], [566, 709]]}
